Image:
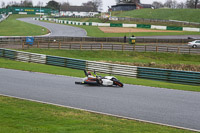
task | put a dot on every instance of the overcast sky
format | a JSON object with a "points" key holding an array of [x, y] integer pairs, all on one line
{"points": [[106, 3]]}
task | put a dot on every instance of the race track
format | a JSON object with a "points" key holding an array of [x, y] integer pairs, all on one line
{"points": [[65, 30], [165, 106], [58, 29]]}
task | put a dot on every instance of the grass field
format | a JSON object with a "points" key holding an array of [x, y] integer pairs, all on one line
{"points": [[20, 116], [13, 27], [160, 60], [189, 15]]}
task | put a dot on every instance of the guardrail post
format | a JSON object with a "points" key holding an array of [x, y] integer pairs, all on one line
{"points": [[145, 48], [189, 50]]}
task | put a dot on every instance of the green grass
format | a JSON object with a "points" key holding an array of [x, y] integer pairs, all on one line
{"points": [[190, 15], [132, 58], [10, 64], [20, 116], [13, 27]]}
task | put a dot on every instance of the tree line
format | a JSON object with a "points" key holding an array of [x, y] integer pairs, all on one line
{"points": [[177, 5], [96, 4]]}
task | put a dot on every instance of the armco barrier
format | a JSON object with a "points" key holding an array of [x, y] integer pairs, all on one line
{"points": [[66, 62], [1, 52], [113, 69], [10, 54], [182, 77]]}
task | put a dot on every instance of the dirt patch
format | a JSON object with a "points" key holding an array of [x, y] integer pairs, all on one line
{"points": [[127, 30]]}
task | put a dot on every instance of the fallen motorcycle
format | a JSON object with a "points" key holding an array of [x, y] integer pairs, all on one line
{"points": [[99, 80]]}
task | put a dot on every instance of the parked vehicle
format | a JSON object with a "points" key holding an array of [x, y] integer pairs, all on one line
{"points": [[99, 80], [194, 44]]}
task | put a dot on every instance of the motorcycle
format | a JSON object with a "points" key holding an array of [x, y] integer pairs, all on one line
{"points": [[99, 80]]}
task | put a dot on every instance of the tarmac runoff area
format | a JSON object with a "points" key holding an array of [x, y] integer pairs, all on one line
{"points": [[58, 29], [156, 105]]}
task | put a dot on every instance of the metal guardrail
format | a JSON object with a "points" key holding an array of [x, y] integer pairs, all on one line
{"points": [[181, 77], [113, 69]]}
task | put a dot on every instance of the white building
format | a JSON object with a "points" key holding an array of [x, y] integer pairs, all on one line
{"points": [[79, 11]]}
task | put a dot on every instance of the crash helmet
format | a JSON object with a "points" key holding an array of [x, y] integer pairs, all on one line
{"points": [[89, 73]]}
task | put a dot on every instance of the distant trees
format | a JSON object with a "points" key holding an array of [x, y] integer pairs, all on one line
{"points": [[96, 4], [157, 4], [53, 5], [25, 3], [174, 4]]}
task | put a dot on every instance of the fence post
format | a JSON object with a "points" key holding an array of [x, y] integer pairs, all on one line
{"points": [[101, 46], [189, 50], [59, 45], [70, 46], [178, 50], [122, 47], [23, 45], [112, 47], [156, 48], [38, 44], [81, 46], [48, 45], [133, 47]]}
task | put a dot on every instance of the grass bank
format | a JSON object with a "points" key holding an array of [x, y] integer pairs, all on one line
{"points": [[13, 27], [22, 116], [164, 14], [147, 59]]}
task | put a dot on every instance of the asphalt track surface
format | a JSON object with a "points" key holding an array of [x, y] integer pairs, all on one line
{"points": [[159, 105], [58, 29]]}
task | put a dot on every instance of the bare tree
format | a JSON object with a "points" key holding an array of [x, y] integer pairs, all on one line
{"points": [[181, 5], [196, 2], [190, 3], [170, 4], [39, 4], [97, 4], [157, 4], [3, 4], [64, 5]]}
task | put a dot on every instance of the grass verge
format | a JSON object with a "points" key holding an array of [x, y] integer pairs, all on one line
{"points": [[22, 116], [148, 59], [10, 64], [13, 27]]}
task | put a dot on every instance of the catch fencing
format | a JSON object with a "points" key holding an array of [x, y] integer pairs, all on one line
{"points": [[181, 77]]}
